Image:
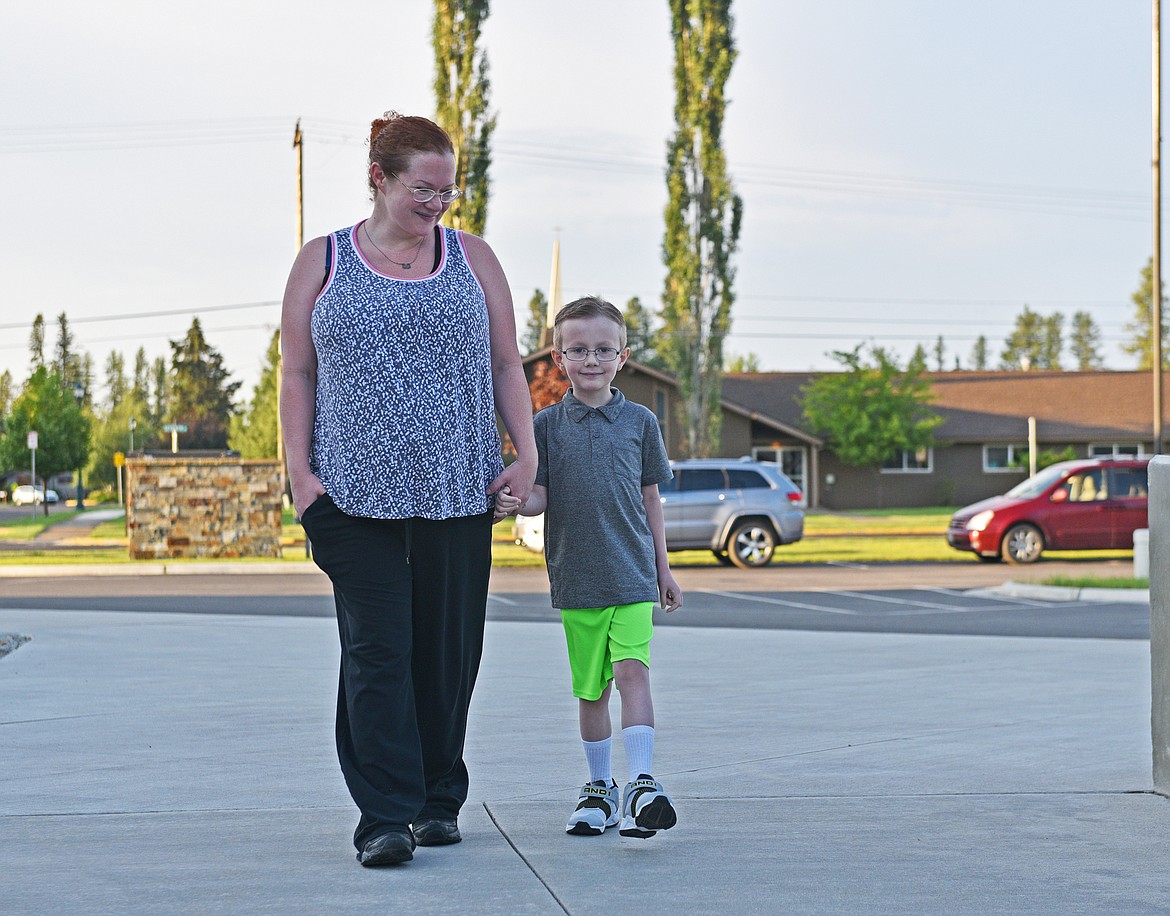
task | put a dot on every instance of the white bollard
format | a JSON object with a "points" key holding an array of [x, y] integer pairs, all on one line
{"points": [[1141, 553], [1160, 619]]}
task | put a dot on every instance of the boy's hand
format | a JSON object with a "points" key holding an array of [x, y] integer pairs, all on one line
{"points": [[505, 504], [671, 594]]}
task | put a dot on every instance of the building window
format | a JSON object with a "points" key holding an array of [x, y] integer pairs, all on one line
{"points": [[1116, 450], [999, 459], [910, 462]]}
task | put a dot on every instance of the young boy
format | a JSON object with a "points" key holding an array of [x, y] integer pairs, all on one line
{"points": [[601, 460]]}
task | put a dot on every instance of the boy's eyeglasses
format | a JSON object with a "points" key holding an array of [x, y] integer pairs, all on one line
{"points": [[426, 195], [579, 354]]}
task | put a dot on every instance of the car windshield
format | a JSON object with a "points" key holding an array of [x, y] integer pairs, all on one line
{"points": [[1034, 486]]}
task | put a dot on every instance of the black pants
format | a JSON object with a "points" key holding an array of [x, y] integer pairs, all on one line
{"points": [[411, 597]]}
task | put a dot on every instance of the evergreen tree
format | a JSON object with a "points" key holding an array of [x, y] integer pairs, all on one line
{"points": [[65, 361], [5, 398], [1035, 342], [115, 379], [871, 411], [253, 433], [537, 317], [641, 335], [918, 359], [47, 406], [703, 218], [979, 354], [200, 395], [162, 393], [940, 354], [36, 342], [88, 378], [461, 105], [141, 388], [1141, 328], [1085, 342]]}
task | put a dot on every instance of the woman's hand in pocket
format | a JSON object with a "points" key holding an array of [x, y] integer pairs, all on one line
{"points": [[305, 491]]}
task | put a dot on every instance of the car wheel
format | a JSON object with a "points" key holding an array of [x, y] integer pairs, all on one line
{"points": [[751, 545], [722, 557], [1023, 544]]}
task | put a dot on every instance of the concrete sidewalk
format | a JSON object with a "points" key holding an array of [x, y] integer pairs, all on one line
{"points": [[184, 763]]}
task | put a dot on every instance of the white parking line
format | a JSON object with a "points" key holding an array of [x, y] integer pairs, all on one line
{"points": [[909, 608], [898, 601], [797, 604], [987, 594]]}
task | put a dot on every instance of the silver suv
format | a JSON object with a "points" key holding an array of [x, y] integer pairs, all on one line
{"points": [[737, 508]]}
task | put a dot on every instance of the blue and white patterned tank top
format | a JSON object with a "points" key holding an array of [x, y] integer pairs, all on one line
{"points": [[406, 423]]}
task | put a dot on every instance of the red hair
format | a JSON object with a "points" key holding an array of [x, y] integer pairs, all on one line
{"points": [[395, 139]]}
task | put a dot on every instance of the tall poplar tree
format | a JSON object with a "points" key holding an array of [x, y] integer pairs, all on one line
{"points": [[1035, 342], [703, 218], [1085, 342], [979, 353], [461, 105], [1141, 328]]}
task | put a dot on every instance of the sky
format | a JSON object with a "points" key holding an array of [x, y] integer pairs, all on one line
{"points": [[909, 168]]}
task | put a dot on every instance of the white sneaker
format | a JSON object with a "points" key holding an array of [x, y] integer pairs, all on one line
{"points": [[646, 809], [597, 808]]}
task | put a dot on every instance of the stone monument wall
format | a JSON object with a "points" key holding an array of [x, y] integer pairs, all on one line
{"points": [[202, 507]]}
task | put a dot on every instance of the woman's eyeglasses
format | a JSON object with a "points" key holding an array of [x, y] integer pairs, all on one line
{"points": [[426, 195]]}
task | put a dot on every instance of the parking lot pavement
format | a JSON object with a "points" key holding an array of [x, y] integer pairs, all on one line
{"points": [[183, 763]]}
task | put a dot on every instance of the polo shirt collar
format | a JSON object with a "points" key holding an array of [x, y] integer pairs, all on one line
{"points": [[578, 411]]}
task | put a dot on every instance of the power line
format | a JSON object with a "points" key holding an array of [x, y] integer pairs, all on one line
{"points": [[131, 316], [1049, 200]]}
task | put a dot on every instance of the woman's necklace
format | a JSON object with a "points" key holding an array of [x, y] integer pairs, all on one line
{"points": [[405, 266]]}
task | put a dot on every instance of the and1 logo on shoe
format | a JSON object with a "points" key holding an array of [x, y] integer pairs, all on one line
{"points": [[597, 808], [646, 808]]}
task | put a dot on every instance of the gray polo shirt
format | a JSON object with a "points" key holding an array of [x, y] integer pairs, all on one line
{"points": [[594, 462]]}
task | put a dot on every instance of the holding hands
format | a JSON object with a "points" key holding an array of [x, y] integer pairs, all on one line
{"points": [[505, 504]]}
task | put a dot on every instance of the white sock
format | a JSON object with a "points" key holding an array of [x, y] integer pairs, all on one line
{"points": [[598, 756], [639, 743]]}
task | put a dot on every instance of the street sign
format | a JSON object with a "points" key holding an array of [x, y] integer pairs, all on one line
{"points": [[174, 427], [119, 459], [32, 439]]}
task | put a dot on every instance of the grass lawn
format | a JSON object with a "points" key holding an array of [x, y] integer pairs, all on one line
{"points": [[1095, 582], [872, 536], [25, 528]]}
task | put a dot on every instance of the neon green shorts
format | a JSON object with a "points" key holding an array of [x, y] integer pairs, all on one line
{"points": [[599, 636]]}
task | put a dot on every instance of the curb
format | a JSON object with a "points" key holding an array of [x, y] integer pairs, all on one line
{"points": [[1063, 593], [228, 568]]}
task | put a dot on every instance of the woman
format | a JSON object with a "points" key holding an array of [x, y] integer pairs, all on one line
{"points": [[399, 345]]}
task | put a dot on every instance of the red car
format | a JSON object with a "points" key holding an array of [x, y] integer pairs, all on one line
{"points": [[1091, 504]]}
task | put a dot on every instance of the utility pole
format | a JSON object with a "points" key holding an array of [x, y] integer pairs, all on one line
{"points": [[1156, 260], [298, 145]]}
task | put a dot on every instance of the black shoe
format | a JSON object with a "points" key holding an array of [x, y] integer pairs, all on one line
{"points": [[436, 831], [388, 849]]}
